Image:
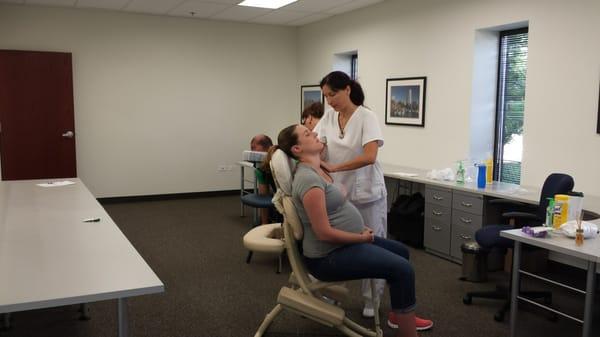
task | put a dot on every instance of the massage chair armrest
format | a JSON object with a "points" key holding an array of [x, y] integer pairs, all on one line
{"points": [[315, 284], [333, 290]]}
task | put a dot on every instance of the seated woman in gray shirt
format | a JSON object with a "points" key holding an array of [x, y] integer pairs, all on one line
{"points": [[336, 245]]}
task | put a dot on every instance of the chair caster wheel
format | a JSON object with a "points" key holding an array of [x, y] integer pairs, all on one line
{"points": [[499, 317], [467, 299]]}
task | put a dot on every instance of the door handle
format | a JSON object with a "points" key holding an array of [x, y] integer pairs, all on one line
{"points": [[68, 134]]}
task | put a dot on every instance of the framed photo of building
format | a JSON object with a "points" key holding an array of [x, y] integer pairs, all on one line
{"points": [[405, 101], [310, 94]]}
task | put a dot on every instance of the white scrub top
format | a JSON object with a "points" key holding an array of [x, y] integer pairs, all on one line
{"points": [[365, 184]]}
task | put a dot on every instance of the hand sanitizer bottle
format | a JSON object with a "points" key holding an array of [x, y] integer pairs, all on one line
{"points": [[460, 173]]}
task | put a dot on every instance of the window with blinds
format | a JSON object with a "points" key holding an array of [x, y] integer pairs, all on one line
{"points": [[354, 66], [512, 72]]}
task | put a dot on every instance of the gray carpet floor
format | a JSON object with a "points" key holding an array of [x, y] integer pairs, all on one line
{"points": [[195, 248]]}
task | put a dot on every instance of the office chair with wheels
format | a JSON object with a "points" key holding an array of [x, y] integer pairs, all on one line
{"points": [[488, 237], [304, 295]]}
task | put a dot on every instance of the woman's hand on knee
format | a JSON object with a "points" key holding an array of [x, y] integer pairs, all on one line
{"points": [[367, 234]]}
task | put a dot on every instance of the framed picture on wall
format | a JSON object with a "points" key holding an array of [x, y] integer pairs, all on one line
{"points": [[405, 101], [310, 94], [598, 127]]}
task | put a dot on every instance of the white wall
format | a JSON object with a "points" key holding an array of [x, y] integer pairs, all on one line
{"points": [[160, 102], [435, 38]]}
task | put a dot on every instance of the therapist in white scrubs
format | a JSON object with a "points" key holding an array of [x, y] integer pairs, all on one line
{"points": [[353, 138]]}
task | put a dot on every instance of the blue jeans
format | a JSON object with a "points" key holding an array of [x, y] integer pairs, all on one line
{"points": [[385, 259]]}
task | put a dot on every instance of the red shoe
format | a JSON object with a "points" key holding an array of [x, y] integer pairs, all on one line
{"points": [[420, 323]]}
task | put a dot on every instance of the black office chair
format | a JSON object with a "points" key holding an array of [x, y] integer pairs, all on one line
{"points": [[488, 237]]}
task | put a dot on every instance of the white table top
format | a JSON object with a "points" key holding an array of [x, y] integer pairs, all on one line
{"points": [[49, 257], [526, 194], [589, 251]]}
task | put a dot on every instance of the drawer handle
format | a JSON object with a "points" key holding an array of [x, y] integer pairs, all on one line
{"points": [[436, 228], [436, 213], [436, 197], [465, 237], [466, 204], [465, 220]]}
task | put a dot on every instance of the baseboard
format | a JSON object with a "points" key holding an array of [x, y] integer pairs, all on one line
{"points": [[171, 196]]}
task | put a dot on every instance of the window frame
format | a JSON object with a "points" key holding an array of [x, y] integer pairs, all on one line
{"points": [[354, 66], [499, 120]]}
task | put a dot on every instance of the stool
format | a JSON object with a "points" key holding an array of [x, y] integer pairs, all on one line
{"points": [[474, 267], [257, 201], [265, 239]]}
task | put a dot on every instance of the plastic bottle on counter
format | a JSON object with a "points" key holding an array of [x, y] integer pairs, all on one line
{"points": [[489, 170], [481, 175], [561, 210], [575, 205], [549, 212], [460, 173]]}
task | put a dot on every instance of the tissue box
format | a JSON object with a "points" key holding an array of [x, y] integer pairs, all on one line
{"points": [[253, 156]]}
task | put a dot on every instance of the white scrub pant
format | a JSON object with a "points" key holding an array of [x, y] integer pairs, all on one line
{"points": [[374, 215]]}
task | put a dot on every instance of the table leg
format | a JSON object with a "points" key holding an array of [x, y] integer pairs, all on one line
{"points": [[515, 288], [589, 299], [6, 321], [84, 311], [123, 321], [242, 188]]}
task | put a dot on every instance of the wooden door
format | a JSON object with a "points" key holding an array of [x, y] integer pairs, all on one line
{"points": [[37, 134]]}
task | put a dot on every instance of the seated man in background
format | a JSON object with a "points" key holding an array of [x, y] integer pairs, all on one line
{"points": [[261, 143], [264, 179]]}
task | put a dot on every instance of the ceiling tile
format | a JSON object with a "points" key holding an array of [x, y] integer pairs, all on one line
{"points": [[356, 4], [314, 6], [201, 9], [280, 17], [310, 19], [69, 3], [152, 6], [103, 4], [239, 13]]}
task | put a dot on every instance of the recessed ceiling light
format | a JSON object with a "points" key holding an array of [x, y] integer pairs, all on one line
{"points": [[272, 4]]}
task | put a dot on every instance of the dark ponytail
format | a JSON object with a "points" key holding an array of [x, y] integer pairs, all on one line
{"points": [[357, 95], [339, 80], [285, 140]]}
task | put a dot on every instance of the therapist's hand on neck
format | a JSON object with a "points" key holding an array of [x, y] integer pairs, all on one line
{"points": [[328, 167]]}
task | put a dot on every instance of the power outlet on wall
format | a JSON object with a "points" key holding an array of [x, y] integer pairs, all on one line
{"points": [[224, 168]]}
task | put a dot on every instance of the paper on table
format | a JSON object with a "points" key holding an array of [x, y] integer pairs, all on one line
{"points": [[406, 174], [56, 183]]}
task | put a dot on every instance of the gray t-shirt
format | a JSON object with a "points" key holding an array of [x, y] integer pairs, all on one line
{"points": [[341, 213]]}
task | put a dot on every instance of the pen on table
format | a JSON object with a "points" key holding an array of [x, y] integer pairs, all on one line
{"points": [[91, 220]]}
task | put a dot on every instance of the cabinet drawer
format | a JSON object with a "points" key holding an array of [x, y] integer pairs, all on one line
{"points": [[471, 203], [470, 220], [437, 212], [437, 236], [441, 197], [460, 235]]}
